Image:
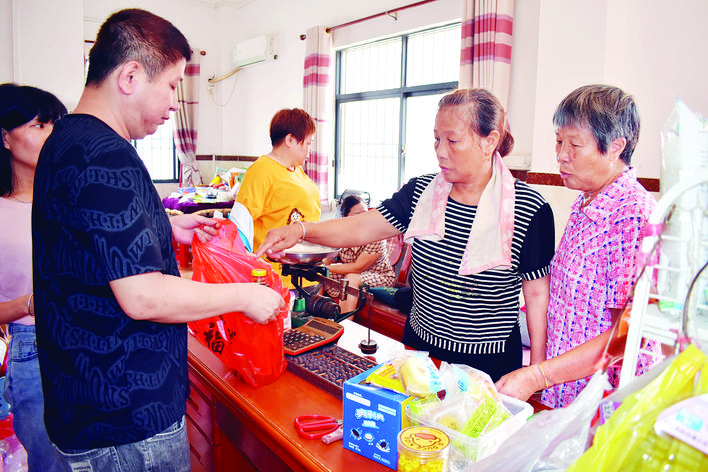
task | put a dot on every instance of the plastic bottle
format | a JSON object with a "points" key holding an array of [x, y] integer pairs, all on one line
{"points": [[14, 456], [299, 314], [259, 277]]}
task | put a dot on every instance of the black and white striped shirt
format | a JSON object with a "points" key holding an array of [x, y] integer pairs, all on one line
{"points": [[471, 314]]}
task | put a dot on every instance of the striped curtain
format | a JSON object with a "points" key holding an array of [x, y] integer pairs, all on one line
{"points": [[317, 101], [486, 46], [185, 133]]}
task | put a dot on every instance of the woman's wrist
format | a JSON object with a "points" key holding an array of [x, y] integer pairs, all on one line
{"points": [[302, 226], [537, 357], [543, 381], [30, 305]]}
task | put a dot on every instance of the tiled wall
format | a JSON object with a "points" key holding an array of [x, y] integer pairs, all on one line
{"points": [[561, 199]]}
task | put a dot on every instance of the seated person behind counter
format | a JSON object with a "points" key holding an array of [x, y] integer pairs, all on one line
{"points": [[368, 263]]}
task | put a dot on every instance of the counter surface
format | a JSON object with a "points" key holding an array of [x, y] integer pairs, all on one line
{"points": [[258, 423], [268, 413]]}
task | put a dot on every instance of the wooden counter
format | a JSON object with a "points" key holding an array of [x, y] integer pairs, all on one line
{"points": [[234, 426]]}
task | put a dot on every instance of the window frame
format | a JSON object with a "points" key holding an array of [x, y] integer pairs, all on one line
{"points": [[175, 162], [175, 168], [402, 93]]}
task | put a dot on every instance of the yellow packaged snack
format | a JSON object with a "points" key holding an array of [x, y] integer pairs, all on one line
{"points": [[488, 414], [419, 375], [385, 376]]}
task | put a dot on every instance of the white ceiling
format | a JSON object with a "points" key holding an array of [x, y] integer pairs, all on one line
{"points": [[218, 3]]}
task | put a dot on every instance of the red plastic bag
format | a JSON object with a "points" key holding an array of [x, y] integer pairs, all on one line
{"points": [[253, 350]]}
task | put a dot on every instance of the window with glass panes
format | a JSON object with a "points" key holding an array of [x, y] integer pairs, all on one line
{"points": [[386, 100], [159, 154]]}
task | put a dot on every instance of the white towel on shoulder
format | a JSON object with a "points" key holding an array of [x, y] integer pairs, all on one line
{"points": [[489, 243]]}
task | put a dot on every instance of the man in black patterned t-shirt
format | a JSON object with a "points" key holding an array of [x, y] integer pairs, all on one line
{"points": [[111, 308]]}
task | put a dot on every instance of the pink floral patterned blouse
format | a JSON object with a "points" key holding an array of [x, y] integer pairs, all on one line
{"points": [[593, 270]]}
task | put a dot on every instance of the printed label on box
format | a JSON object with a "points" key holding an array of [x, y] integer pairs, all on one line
{"points": [[373, 417]]}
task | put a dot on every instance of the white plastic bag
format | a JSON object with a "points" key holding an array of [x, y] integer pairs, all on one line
{"points": [[551, 440], [684, 146]]}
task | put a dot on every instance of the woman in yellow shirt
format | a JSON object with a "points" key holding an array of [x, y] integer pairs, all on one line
{"points": [[275, 189]]}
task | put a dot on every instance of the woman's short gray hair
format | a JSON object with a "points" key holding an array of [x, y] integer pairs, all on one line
{"points": [[607, 111]]}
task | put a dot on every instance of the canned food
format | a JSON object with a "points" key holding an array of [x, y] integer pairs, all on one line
{"points": [[422, 449]]}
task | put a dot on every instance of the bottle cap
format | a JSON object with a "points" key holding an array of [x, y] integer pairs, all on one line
{"points": [[422, 441], [299, 304], [258, 272]]}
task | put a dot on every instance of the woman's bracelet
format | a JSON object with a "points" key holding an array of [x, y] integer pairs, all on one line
{"points": [[29, 304], [540, 369], [302, 225]]}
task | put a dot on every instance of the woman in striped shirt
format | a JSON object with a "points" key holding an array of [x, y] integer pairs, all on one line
{"points": [[479, 237]]}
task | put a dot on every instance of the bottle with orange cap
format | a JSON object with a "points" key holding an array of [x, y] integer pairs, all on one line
{"points": [[259, 277]]}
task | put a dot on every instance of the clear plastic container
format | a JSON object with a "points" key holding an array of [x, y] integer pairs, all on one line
{"points": [[422, 449], [465, 450]]}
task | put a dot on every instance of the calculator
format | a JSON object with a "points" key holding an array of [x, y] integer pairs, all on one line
{"points": [[314, 333]]}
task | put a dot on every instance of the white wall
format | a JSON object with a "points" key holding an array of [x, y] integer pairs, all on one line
{"points": [[656, 49], [36, 31], [652, 48], [262, 89], [5, 41], [234, 118], [199, 25]]}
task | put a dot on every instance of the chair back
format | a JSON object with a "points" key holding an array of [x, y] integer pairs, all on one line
{"points": [[364, 195], [394, 249], [404, 263]]}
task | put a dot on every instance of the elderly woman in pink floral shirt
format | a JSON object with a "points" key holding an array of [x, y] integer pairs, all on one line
{"points": [[594, 268]]}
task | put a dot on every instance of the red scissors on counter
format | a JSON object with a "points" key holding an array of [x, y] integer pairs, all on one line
{"points": [[317, 426]]}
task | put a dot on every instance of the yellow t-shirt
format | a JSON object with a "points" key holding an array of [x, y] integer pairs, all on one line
{"points": [[276, 196]]}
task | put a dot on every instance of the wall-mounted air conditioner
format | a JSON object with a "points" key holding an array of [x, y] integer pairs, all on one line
{"points": [[253, 51]]}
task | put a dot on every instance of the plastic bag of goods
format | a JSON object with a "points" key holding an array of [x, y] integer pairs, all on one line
{"points": [[476, 418], [654, 429], [684, 155], [255, 351]]}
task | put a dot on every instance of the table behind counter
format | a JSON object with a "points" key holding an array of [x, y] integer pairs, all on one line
{"points": [[189, 206], [235, 426]]}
